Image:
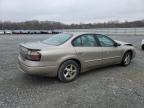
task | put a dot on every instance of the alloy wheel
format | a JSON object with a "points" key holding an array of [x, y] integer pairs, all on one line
{"points": [[127, 59], [70, 71]]}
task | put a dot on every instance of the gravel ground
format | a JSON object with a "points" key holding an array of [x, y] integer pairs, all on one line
{"points": [[109, 87]]}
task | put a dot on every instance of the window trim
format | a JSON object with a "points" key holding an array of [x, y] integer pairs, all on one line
{"points": [[72, 42]]}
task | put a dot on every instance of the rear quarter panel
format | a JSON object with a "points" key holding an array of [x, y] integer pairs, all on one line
{"points": [[58, 55]]}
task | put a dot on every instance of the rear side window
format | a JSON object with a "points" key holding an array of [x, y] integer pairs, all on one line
{"points": [[85, 41], [77, 42]]}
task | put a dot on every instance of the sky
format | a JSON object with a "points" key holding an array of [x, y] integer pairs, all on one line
{"points": [[71, 11]]}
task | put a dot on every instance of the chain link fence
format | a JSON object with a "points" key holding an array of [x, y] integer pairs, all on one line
{"points": [[109, 31], [106, 31]]}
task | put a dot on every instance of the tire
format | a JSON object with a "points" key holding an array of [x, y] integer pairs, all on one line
{"points": [[126, 59], [142, 47], [68, 71]]}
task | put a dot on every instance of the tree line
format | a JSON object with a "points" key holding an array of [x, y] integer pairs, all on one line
{"points": [[51, 25]]}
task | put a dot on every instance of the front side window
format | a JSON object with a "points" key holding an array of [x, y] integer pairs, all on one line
{"points": [[105, 41], [57, 39], [85, 41]]}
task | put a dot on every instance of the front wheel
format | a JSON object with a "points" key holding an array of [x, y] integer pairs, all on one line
{"points": [[126, 59], [142, 47], [68, 71]]}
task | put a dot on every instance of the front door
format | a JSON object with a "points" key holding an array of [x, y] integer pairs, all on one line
{"points": [[110, 53]]}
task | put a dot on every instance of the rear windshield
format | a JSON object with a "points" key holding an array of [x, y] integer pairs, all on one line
{"points": [[57, 39]]}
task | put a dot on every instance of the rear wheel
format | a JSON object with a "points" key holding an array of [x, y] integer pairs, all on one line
{"points": [[126, 59], [68, 71]]}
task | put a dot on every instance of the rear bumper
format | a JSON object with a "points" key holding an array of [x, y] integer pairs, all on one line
{"points": [[37, 70]]}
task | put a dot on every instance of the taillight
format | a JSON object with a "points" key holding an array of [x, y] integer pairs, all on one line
{"points": [[33, 56]]}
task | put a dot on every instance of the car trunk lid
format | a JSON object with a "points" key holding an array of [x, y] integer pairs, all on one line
{"points": [[31, 50], [36, 45]]}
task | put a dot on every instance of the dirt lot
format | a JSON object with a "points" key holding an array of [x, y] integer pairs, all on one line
{"points": [[109, 87]]}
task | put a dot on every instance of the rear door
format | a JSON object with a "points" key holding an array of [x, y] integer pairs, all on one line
{"points": [[88, 50], [110, 53]]}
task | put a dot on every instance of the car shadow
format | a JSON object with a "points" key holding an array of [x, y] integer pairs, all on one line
{"points": [[100, 70]]}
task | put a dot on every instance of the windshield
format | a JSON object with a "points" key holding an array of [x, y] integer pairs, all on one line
{"points": [[57, 39]]}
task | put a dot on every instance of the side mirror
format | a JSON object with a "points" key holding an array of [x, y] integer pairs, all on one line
{"points": [[116, 44]]}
